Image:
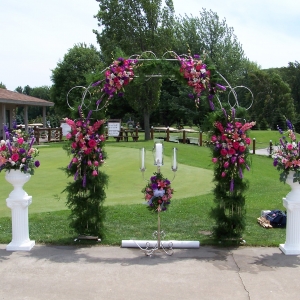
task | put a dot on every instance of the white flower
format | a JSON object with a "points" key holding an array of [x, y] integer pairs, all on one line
{"points": [[158, 193]]}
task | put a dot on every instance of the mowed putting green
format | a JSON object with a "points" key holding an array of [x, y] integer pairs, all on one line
{"points": [[125, 179]]}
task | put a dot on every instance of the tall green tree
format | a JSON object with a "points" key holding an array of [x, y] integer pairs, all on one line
{"points": [[291, 75], [2, 85], [136, 26], [77, 64], [207, 33], [272, 97]]}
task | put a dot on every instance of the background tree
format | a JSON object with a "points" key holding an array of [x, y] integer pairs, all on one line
{"points": [[210, 34], [2, 85], [72, 71], [136, 26], [272, 98]]}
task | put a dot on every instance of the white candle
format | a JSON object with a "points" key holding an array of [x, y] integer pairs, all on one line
{"points": [[174, 160], [158, 154], [143, 159]]}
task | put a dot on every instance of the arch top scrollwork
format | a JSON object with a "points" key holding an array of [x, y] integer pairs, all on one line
{"points": [[122, 71]]}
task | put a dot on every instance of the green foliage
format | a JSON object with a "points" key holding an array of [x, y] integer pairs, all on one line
{"points": [[2, 85], [86, 193], [229, 211]]}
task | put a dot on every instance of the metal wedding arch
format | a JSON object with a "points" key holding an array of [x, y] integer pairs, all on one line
{"points": [[85, 102]]}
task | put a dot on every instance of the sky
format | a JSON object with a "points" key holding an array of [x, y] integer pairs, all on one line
{"points": [[35, 35]]}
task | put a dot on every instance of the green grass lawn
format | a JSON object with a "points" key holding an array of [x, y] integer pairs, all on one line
{"points": [[126, 215]]}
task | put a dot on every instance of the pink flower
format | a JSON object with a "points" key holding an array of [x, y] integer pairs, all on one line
{"points": [[15, 157], [238, 124], [94, 173], [214, 138], [236, 145], [75, 160], [242, 148], [289, 146], [74, 145], [223, 174], [231, 151], [241, 160], [223, 152], [68, 135], [214, 160], [96, 163], [248, 141], [89, 163], [88, 151], [92, 143], [226, 164], [20, 141]]}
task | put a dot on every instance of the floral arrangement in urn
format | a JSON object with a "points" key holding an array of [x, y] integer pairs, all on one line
{"points": [[158, 192], [230, 147], [286, 157], [85, 146], [17, 152]]}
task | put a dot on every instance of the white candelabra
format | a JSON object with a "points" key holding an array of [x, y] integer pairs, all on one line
{"points": [[152, 246]]}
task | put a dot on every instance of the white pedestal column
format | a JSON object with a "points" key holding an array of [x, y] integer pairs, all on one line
{"points": [[18, 201], [292, 243], [292, 204], [20, 229]]}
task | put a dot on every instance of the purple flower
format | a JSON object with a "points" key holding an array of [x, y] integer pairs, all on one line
{"points": [[31, 143], [275, 162], [76, 175], [98, 101], [154, 186], [153, 178], [241, 173], [70, 164], [89, 114], [233, 113], [37, 163], [84, 180], [197, 56], [289, 124], [211, 104], [221, 87], [231, 185], [96, 83], [224, 111], [22, 150]]}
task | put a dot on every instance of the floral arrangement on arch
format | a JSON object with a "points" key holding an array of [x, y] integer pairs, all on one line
{"points": [[158, 193], [286, 157], [118, 75], [17, 152], [230, 147], [198, 76], [86, 146]]}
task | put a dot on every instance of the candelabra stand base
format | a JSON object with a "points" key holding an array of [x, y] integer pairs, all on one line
{"points": [[150, 247]]}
